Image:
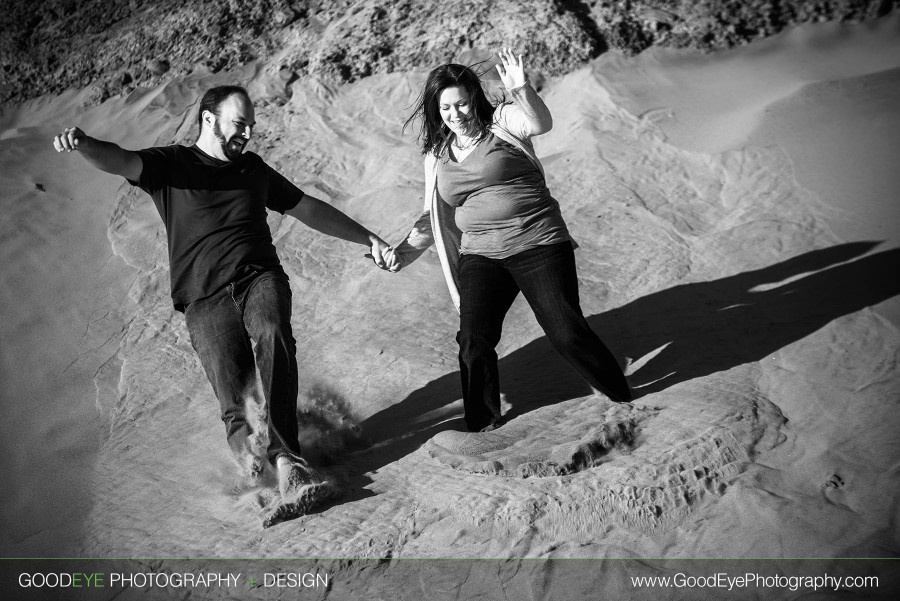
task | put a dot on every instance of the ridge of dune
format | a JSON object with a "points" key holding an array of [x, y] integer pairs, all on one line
{"points": [[115, 46]]}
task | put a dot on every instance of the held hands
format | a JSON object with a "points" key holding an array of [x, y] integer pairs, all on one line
{"points": [[511, 69], [69, 139], [394, 263], [383, 254]]}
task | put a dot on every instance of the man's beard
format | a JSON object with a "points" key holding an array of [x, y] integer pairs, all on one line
{"points": [[231, 148]]}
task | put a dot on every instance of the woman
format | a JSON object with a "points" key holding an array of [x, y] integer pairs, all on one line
{"points": [[498, 231]]}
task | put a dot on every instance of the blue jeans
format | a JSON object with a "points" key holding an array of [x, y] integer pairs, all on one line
{"points": [[546, 277], [253, 309]]}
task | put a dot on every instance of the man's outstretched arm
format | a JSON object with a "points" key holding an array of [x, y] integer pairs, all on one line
{"points": [[105, 156], [323, 217]]}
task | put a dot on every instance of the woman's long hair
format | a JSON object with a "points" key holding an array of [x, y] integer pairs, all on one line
{"points": [[434, 134]]}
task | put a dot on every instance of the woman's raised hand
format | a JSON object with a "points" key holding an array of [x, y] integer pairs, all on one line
{"points": [[511, 69]]}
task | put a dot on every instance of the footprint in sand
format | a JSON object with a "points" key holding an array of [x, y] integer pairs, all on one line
{"points": [[834, 482], [643, 466], [546, 442]]}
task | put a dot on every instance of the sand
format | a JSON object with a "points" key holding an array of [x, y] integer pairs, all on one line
{"points": [[738, 252]]}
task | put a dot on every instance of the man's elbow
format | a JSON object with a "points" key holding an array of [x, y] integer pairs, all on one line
{"points": [[132, 166]]}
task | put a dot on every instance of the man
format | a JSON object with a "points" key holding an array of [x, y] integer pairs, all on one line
{"points": [[226, 276]]}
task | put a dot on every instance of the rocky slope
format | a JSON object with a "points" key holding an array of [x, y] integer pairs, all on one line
{"points": [[113, 46]]}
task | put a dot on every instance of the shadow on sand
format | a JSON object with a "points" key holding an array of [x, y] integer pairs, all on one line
{"points": [[674, 335]]}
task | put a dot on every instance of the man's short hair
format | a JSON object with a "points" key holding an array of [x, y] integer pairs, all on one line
{"points": [[213, 99]]}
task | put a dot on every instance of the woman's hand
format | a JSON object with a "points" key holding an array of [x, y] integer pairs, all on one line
{"points": [[511, 69]]}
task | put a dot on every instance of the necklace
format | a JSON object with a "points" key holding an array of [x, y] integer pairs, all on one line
{"points": [[459, 146]]}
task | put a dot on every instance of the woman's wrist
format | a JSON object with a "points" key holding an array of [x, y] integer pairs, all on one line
{"points": [[518, 87]]}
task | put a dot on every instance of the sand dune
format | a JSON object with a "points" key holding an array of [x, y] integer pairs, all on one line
{"points": [[736, 216]]}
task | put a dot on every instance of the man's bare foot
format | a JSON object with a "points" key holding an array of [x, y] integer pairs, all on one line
{"points": [[309, 498], [293, 474], [302, 490]]}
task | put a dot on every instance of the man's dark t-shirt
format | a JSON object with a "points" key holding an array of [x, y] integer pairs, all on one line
{"points": [[215, 215]]}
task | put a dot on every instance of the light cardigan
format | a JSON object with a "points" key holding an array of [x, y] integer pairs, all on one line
{"points": [[437, 224]]}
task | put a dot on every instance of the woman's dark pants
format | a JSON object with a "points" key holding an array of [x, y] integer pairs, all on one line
{"points": [[223, 329], [546, 277]]}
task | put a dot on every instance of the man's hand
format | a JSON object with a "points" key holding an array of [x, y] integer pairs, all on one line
{"points": [[378, 250], [105, 156], [68, 140]]}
